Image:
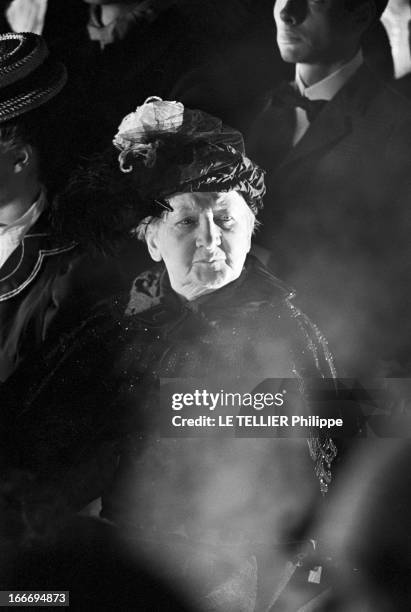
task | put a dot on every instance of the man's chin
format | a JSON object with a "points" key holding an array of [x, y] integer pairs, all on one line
{"points": [[291, 53]]}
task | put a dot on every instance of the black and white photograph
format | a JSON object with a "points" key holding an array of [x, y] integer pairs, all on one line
{"points": [[205, 305]]}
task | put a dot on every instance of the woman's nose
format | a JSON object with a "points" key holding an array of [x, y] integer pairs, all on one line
{"points": [[293, 12], [208, 234]]}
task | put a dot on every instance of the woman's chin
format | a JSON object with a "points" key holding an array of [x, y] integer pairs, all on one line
{"points": [[213, 275]]}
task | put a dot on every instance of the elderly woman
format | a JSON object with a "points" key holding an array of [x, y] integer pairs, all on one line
{"points": [[202, 508]]}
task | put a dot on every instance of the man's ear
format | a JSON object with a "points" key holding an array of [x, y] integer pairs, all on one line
{"points": [[22, 158], [152, 240], [364, 14]]}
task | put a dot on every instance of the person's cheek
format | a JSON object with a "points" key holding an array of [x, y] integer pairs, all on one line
{"points": [[231, 248], [186, 248]]}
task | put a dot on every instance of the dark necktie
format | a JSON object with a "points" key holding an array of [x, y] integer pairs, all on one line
{"points": [[289, 97]]}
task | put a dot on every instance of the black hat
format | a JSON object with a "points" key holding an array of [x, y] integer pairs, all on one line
{"points": [[28, 77], [169, 149], [164, 149]]}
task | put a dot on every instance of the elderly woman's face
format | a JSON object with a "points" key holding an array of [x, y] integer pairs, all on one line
{"points": [[203, 242]]}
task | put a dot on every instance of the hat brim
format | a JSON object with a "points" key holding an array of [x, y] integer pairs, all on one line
{"points": [[33, 91]]}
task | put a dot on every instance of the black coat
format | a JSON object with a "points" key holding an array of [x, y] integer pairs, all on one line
{"points": [[47, 287], [337, 218], [89, 422], [98, 383], [34, 282]]}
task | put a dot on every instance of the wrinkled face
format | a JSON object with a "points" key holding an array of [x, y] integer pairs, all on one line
{"points": [[313, 31], [203, 241]]}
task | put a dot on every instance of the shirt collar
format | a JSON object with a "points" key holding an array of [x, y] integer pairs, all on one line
{"points": [[27, 219], [12, 235], [327, 88]]}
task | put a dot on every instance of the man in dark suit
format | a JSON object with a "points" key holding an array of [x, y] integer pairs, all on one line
{"points": [[337, 147]]}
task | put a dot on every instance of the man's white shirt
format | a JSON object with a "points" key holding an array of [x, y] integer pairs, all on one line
{"points": [[325, 89]]}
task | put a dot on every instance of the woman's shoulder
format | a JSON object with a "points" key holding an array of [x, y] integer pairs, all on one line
{"points": [[260, 280], [279, 311]]}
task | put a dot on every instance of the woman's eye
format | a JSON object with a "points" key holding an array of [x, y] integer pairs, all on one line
{"points": [[225, 220], [186, 221]]}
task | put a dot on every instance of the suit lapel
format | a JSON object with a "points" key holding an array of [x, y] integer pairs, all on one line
{"points": [[329, 127], [270, 136], [335, 121]]}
